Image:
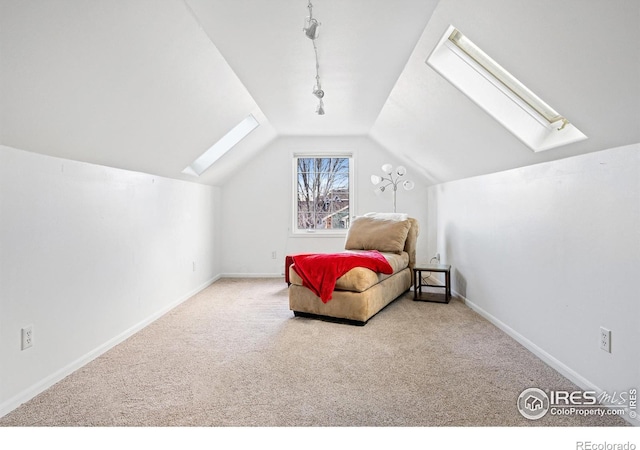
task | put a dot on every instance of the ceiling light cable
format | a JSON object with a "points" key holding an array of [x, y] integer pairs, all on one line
{"points": [[311, 31]]}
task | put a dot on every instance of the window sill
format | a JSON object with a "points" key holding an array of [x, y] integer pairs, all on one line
{"points": [[318, 234]]}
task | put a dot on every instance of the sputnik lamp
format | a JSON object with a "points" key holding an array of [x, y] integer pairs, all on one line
{"points": [[391, 179]]}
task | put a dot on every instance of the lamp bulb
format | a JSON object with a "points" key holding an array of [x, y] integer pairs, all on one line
{"points": [[408, 185], [311, 28]]}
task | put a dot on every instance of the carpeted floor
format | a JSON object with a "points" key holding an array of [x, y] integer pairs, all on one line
{"points": [[234, 355]]}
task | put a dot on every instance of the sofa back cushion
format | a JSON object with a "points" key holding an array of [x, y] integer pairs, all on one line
{"points": [[370, 233]]}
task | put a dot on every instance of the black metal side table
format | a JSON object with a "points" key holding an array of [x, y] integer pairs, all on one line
{"points": [[420, 281]]}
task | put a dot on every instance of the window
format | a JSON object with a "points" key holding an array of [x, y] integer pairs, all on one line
{"points": [[504, 77], [499, 93], [323, 197], [226, 143]]}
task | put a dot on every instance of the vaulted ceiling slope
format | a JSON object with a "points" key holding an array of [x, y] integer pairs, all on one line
{"points": [[133, 84], [148, 85], [581, 56]]}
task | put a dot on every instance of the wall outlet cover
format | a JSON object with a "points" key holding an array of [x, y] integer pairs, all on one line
{"points": [[27, 337]]}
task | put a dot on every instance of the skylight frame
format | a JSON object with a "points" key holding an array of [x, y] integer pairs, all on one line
{"points": [[503, 76], [222, 146], [514, 106]]}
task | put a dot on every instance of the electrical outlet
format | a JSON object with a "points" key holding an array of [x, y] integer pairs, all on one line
{"points": [[605, 339], [27, 337], [274, 255]]}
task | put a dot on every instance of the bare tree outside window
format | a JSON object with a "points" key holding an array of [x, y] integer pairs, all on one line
{"points": [[323, 193]]}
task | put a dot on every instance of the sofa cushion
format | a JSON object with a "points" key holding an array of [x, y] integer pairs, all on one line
{"points": [[369, 233], [360, 279]]}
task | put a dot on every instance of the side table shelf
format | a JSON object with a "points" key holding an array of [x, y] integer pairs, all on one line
{"points": [[419, 281]]}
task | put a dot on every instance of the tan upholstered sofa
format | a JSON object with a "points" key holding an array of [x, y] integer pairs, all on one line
{"points": [[361, 293]]}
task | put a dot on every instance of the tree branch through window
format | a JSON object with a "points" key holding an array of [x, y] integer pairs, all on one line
{"points": [[322, 193]]}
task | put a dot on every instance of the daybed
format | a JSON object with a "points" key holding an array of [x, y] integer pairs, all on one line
{"points": [[361, 293]]}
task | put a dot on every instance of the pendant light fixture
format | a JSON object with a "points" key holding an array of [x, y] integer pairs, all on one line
{"points": [[311, 31]]}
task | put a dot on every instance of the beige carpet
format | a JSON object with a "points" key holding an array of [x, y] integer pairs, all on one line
{"points": [[234, 355]]}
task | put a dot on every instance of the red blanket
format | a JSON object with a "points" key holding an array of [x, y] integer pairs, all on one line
{"points": [[320, 271]]}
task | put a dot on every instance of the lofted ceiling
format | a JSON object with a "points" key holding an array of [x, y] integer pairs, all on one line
{"points": [[148, 85], [362, 49]]}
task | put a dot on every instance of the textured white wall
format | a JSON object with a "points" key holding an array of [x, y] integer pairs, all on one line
{"points": [[551, 252], [89, 254], [257, 203]]}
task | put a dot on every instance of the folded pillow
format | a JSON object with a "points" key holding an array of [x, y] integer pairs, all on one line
{"points": [[368, 233]]}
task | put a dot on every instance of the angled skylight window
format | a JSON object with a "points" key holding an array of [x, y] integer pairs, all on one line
{"points": [[226, 143], [500, 94]]}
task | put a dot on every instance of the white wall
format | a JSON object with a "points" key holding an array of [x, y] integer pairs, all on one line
{"points": [[257, 203], [550, 253], [89, 255]]}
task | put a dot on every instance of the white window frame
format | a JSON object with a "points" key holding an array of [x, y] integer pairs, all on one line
{"points": [[338, 232]]}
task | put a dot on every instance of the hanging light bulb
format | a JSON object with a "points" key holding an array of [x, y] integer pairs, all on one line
{"points": [[311, 28]]}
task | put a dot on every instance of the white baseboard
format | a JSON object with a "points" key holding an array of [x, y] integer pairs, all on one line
{"points": [[252, 275], [44, 384], [556, 364]]}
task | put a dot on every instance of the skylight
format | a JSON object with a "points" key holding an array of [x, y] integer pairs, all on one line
{"points": [[226, 143], [500, 94]]}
